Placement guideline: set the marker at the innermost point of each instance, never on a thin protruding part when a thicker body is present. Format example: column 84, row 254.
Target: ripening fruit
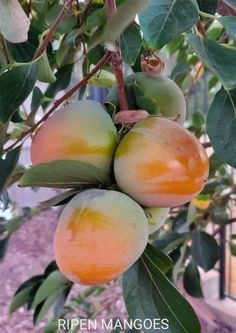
column 100, row 234
column 156, row 218
column 80, row 131
column 157, row 95
column 201, row 204
column 160, row 164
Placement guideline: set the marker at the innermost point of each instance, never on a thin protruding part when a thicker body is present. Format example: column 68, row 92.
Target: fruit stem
column 116, row 60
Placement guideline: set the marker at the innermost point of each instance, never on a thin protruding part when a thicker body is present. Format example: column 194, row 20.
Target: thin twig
column 42, row 47
column 117, row 61
column 59, row 101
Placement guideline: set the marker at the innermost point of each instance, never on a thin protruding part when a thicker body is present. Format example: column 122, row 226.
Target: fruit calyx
column 152, row 64
column 130, row 117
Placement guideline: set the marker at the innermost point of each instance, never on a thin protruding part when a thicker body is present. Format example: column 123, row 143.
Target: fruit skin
column 100, row 234
column 157, row 95
column 80, row 131
column 156, row 218
column 160, row 164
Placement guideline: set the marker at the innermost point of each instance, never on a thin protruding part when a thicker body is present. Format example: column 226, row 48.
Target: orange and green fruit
column 160, row 164
column 80, row 131
column 100, row 234
column 201, row 204
column 157, row 95
column 156, row 218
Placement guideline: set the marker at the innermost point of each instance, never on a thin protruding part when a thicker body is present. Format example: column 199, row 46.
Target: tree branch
column 117, row 61
column 59, row 101
column 42, row 46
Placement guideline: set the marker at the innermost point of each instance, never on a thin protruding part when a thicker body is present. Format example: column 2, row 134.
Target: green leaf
column 14, row 224
column 63, row 174
column 60, row 199
column 15, row 86
column 158, row 258
column 170, row 241
column 63, row 76
column 51, row 284
column 66, row 25
column 229, row 22
column 149, row 294
column 208, row 6
column 22, row 294
column 67, row 54
column 219, row 215
column 37, row 97
column 103, row 79
column 7, row 166
column 204, row 250
column 20, row 299
column 14, row 24
column 191, row 281
column 221, row 126
column 45, row 72
column 45, row 306
column 219, row 58
column 116, row 25
column 232, row 244
column 130, row 44
column 164, row 20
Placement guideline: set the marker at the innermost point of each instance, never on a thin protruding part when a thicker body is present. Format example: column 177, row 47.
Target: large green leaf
column 22, row 294
column 164, row 20
column 158, row 258
column 170, row 241
column 219, row 58
column 204, row 250
column 229, row 22
column 130, row 44
column 15, row 86
column 63, row 77
column 191, row 281
column 149, row 294
column 208, row 6
column 7, row 166
column 20, row 299
column 118, row 23
column 221, row 125
column 14, row 24
column 63, row 174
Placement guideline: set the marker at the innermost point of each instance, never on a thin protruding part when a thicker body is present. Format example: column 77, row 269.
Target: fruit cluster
column 157, row 164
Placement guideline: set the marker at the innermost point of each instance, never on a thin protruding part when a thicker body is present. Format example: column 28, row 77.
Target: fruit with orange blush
column 100, row 234
column 160, row 164
column 80, row 131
